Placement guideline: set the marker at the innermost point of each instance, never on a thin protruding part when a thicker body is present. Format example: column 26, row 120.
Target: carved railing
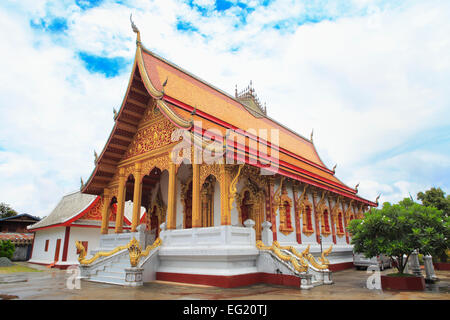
column 298, row 258
column 297, row 262
column 132, row 247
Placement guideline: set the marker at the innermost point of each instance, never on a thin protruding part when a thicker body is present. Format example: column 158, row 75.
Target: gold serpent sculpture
column 233, row 189
column 299, row 264
column 133, row 244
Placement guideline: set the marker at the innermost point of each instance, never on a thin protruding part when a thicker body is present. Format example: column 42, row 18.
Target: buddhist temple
column 231, row 196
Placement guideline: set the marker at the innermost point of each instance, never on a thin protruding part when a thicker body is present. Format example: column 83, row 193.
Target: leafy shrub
column 7, row 249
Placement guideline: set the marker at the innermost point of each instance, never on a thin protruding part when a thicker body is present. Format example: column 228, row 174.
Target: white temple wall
column 91, row 235
column 179, row 206
column 235, row 216
column 39, row 254
column 164, row 185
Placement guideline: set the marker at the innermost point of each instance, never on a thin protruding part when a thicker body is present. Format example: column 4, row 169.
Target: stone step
column 108, row 279
column 115, row 269
column 109, row 273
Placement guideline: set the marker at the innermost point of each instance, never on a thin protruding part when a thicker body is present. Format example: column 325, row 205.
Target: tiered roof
column 185, row 98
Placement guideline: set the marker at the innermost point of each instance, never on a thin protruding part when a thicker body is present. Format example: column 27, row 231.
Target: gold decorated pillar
column 225, row 214
column 171, row 203
column 105, row 211
column 136, row 196
column 196, row 205
column 120, row 201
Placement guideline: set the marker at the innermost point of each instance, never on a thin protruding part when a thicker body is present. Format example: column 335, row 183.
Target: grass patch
column 17, row 268
column 400, row 275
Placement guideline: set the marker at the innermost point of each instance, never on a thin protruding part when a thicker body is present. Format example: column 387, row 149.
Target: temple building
column 232, row 196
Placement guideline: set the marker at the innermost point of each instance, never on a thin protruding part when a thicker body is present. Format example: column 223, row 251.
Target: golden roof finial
column 312, row 133
column 376, row 200
column 135, row 30
column 356, row 187
column 334, row 168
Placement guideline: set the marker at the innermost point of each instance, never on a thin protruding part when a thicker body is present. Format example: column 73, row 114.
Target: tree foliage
column 397, row 230
column 6, row 211
column 435, row 197
column 7, row 249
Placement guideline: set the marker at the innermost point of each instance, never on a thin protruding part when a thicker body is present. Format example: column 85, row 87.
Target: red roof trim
column 226, row 125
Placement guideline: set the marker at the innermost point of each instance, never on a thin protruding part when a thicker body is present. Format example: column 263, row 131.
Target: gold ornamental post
column 120, row 201
column 171, row 203
column 105, row 211
column 136, row 196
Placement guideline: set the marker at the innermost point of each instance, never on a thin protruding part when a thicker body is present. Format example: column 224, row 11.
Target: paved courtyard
column 349, row 284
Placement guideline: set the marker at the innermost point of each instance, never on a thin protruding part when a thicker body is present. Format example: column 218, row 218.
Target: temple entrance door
column 246, row 207
column 154, row 225
column 58, row 247
column 188, row 208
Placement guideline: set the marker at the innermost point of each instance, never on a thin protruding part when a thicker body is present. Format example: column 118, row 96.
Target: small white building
column 77, row 217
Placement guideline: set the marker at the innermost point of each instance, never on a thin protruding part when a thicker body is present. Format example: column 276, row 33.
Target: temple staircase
column 111, row 266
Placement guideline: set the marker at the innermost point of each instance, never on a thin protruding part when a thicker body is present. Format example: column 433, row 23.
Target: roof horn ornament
column 82, row 183
column 356, row 187
column 115, row 113
column 376, row 200
column 312, row 133
column 135, row 30
column 164, row 85
column 334, row 168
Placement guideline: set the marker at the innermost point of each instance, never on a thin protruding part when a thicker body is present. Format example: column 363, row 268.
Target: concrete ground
column 349, row 284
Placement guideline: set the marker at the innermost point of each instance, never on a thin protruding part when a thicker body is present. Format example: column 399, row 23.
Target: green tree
column 6, row 211
column 435, row 197
column 7, row 249
column 397, row 230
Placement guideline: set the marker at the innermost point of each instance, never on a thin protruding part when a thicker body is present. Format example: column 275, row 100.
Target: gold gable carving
column 150, row 138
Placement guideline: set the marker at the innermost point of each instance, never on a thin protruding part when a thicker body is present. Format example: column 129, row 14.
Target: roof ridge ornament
column 247, row 95
column 312, row 133
column 356, row 187
column 135, row 30
column 334, row 168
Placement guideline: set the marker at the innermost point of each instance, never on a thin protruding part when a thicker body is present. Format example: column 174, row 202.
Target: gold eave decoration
column 176, row 119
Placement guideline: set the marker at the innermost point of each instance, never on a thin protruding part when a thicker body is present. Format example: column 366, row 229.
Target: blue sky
column 371, row 77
